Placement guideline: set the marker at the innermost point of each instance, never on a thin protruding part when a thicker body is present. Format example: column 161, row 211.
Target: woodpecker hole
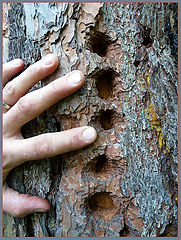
column 136, row 63
column 102, row 205
column 147, row 40
column 100, row 163
column 99, row 42
column 106, row 119
column 104, row 83
column 124, row 232
column 99, row 167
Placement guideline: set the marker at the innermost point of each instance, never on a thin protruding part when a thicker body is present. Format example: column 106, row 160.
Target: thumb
column 20, row 205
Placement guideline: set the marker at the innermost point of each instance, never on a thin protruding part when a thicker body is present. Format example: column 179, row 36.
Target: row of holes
column 102, row 203
column 99, row 43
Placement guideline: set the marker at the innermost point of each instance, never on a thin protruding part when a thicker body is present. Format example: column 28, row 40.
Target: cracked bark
column 125, row 184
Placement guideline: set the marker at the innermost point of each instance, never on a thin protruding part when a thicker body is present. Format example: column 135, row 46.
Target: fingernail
column 47, row 60
column 17, row 62
column 39, row 210
column 89, row 134
column 75, row 78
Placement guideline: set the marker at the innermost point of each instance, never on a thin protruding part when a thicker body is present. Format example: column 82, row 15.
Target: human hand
column 26, row 106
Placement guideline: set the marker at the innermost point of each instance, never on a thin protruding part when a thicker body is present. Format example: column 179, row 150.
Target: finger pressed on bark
column 51, row 144
column 34, row 103
column 20, row 205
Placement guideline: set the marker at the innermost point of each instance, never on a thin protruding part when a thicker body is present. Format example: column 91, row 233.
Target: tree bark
column 125, row 184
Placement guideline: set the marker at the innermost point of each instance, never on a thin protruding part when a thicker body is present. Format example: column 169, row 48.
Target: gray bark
column 125, row 184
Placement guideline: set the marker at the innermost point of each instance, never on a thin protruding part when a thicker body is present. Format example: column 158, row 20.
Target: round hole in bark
column 100, row 163
column 104, row 83
column 106, row 119
column 99, row 42
column 98, row 167
column 136, row 63
column 101, row 204
column 124, row 232
column 147, row 40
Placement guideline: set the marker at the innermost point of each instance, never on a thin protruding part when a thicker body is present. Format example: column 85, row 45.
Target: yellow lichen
column 148, row 81
column 155, row 123
column 144, row 83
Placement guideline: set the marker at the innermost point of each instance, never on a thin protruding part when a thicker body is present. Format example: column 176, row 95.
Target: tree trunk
column 124, row 184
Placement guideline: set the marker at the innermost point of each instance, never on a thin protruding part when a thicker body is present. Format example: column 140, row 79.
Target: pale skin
column 26, row 106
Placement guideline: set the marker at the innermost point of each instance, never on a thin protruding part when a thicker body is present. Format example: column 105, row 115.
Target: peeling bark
column 125, row 184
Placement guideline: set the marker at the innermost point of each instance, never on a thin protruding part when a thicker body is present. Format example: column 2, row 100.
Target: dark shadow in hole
column 99, row 42
column 104, row 83
column 100, row 163
column 101, row 205
column 136, row 63
column 147, row 40
column 100, row 200
column 124, row 232
column 106, row 119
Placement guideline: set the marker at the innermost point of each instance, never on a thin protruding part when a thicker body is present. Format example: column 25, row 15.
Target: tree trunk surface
column 124, row 184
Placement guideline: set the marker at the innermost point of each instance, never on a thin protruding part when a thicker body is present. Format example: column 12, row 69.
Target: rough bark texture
column 125, row 184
